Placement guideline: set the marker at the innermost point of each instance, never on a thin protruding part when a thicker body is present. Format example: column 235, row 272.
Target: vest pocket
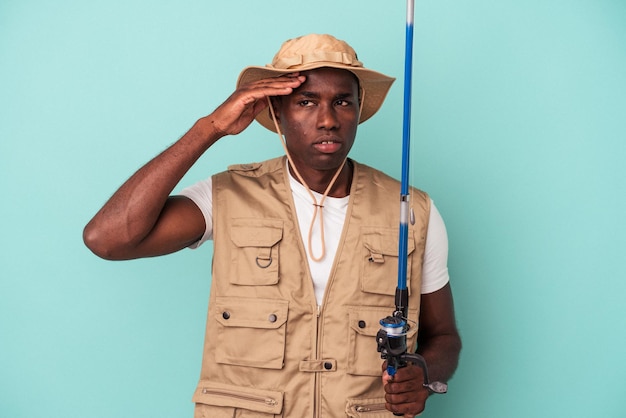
column 364, row 323
column 219, row 400
column 255, row 258
column 379, row 269
column 251, row 331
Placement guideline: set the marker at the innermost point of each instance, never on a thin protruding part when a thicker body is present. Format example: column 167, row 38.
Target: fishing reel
column 391, row 340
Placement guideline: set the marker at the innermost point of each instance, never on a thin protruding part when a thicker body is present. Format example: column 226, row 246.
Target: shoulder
column 256, row 169
column 372, row 176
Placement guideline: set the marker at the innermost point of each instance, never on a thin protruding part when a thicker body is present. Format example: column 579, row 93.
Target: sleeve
column 201, row 194
column 435, row 268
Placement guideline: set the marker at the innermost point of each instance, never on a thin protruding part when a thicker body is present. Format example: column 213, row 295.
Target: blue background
column 519, row 135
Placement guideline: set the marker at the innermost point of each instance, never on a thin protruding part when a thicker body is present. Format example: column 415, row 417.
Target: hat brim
column 375, row 85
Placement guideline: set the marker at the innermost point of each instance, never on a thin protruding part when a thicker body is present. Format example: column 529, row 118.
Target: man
column 305, row 255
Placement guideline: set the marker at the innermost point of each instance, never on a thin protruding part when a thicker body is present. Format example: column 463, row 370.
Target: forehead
column 327, row 76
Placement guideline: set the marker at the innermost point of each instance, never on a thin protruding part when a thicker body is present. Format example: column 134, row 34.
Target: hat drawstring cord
column 317, row 207
column 362, row 100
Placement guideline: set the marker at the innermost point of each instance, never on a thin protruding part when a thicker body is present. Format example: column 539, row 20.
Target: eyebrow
column 313, row 95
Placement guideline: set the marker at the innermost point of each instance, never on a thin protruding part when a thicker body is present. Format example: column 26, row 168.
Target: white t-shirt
column 435, row 267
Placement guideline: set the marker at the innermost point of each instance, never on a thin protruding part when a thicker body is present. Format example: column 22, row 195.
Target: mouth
column 327, row 146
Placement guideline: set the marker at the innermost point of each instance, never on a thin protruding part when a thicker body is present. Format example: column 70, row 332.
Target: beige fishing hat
column 316, row 51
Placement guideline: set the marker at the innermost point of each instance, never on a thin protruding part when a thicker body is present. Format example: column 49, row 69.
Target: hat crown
column 309, row 49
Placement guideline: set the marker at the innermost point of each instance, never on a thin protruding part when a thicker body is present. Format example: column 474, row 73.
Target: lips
column 327, row 146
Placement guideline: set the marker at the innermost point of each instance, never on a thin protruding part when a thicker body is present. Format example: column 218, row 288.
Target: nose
column 327, row 117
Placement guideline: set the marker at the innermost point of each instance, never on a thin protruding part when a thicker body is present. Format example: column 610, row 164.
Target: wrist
column 207, row 131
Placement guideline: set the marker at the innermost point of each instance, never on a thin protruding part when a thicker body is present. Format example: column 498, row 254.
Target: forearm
column 133, row 210
column 442, row 355
column 438, row 339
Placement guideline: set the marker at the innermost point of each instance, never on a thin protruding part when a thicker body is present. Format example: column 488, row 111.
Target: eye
column 343, row 103
column 305, row 103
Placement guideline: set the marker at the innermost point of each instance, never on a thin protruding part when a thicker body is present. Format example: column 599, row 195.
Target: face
column 319, row 119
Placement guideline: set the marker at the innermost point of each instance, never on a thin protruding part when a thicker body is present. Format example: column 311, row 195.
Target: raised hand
column 240, row 109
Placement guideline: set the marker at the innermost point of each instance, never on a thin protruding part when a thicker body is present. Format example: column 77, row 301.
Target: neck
column 318, row 181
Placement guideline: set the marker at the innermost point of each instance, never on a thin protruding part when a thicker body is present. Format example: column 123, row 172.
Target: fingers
column 386, row 378
column 409, row 373
column 275, row 86
column 405, row 393
column 240, row 109
column 409, row 404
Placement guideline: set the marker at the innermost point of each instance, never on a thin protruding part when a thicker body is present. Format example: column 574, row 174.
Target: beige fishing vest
column 269, row 351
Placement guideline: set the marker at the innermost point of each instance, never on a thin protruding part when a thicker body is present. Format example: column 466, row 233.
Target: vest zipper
column 370, row 408
column 320, row 309
column 318, row 390
column 241, row 396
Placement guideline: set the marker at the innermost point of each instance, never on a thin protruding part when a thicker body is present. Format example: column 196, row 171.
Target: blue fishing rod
column 391, row 338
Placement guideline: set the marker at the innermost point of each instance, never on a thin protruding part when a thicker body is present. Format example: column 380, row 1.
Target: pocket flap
column 251, row 312
column 366, row 320
column 384, row 241
column 256, row 232
column 221, row 394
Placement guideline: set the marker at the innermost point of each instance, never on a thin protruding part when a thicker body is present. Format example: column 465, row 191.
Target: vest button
column 328, row 365
column 272, row 318
column 225, row 315
column 362, row 324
